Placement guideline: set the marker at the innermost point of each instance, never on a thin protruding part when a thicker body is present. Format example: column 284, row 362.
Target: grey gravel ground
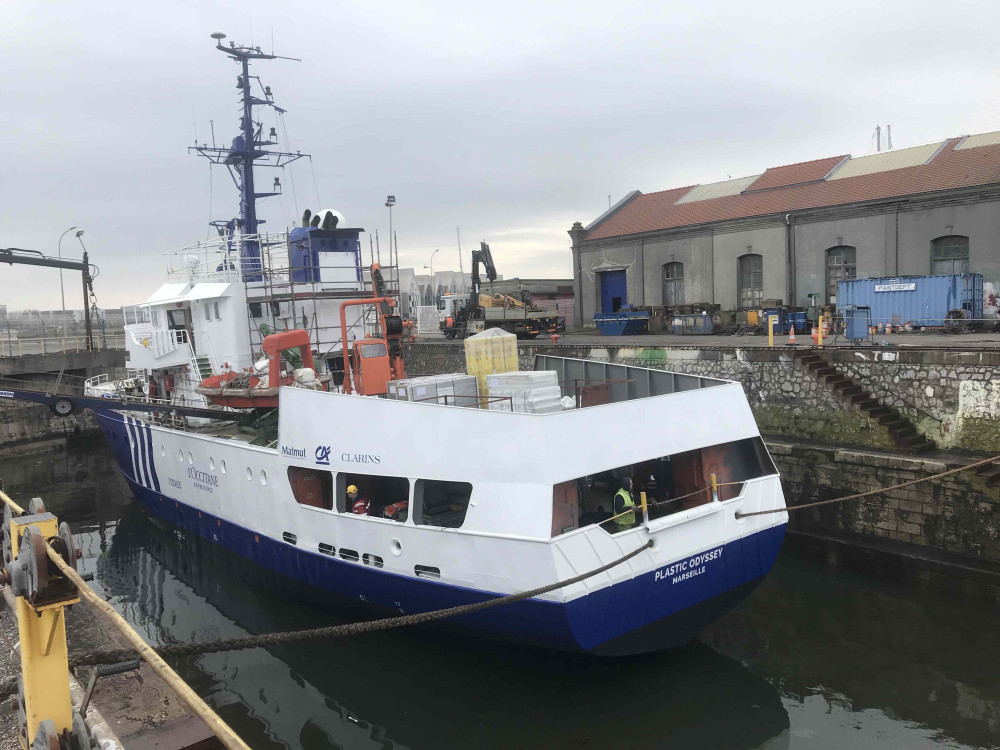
column 8, row 670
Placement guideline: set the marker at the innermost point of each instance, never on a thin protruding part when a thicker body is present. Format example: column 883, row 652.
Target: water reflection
column 815, row 658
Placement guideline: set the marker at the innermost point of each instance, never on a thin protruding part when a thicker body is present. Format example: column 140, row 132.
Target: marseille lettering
column 685, row 569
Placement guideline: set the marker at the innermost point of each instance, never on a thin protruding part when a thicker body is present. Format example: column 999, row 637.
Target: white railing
column 18, row 347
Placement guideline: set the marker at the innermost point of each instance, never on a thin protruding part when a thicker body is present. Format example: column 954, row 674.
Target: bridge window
column 950, row 254
column 749, row 280
column 437, row 503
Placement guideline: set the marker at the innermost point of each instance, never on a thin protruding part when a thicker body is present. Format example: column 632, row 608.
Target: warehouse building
column 795, row 230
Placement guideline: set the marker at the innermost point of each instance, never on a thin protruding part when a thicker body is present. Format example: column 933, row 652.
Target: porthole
column 395, row 547
column 190, row 457
column 263, row 477
column 223, row 466
column 249, row 473
column 163, row 449
column 180, row 456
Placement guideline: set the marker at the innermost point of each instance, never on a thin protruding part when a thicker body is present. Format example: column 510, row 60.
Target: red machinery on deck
column 243, row 391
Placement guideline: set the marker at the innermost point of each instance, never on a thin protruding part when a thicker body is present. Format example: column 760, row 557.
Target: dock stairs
column 204, row 366
column 904, row 435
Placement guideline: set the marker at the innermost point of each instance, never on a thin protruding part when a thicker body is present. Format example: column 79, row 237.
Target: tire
column 531, row 336
column 62, row 407
column 956, row 321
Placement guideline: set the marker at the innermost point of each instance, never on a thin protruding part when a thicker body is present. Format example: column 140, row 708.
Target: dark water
column 816, row 658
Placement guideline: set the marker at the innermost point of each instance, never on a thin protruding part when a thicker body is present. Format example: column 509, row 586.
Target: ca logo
column 323, row 454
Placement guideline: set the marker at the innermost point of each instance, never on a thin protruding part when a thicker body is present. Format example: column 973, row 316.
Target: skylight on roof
column 887, row 161
column 718, row 189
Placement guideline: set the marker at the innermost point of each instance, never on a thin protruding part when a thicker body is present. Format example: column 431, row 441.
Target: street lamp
column 431, row 266
column 390, row 201
column 62, row 293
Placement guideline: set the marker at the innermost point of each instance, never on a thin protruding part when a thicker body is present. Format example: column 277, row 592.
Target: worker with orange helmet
column 359, row 505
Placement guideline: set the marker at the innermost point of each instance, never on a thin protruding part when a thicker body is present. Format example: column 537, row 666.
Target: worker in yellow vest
column 624, row 507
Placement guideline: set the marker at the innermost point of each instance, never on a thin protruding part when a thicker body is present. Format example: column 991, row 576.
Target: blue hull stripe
column 648, row 602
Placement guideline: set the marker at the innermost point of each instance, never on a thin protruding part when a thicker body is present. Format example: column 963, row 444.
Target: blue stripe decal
column 151, row 466
column 140, row 449
column 134, row 448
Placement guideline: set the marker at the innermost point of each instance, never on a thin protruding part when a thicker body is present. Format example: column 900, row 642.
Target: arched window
column 673, row 284
column 841, row 264
column 950, row 254
column 749, row 280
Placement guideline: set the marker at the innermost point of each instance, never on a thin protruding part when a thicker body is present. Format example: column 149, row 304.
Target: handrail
column 21, row 347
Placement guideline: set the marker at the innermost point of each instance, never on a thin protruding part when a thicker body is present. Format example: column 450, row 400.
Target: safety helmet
column 352, row 488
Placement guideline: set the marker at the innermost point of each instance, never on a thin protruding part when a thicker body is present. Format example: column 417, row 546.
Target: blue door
column 613, row 295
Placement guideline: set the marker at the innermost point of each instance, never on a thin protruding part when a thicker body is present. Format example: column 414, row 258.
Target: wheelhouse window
column 437, row 503
column 841, row 264
column 750, row 280
column 372, row 350
column 673, row 284
column 377, row 496
column 950, row 255
column 312, row 487
column 671, row 483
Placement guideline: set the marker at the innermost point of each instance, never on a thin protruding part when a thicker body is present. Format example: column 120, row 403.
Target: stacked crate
column 490, row 352
column 453, row 389
column 534, row 392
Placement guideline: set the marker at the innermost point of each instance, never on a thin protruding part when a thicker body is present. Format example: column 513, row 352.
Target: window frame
column 949, row 242
column 848, row 270
column 756, row 291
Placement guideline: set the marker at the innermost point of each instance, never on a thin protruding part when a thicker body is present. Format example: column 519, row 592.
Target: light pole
column 431, row 266
column 62, row 293
column 390, row 201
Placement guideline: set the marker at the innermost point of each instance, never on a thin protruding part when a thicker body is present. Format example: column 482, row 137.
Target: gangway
column 64, row 404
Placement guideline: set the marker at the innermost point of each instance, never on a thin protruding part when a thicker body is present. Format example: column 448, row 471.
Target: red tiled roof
column 796, row 174
column 949, row 170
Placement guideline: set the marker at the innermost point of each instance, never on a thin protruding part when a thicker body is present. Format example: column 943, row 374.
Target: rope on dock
column 219, row 728
column 869, row 493
column 335, row 631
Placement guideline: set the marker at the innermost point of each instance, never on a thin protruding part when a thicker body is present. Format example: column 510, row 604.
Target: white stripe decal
column 137, row 458
column 143, row 452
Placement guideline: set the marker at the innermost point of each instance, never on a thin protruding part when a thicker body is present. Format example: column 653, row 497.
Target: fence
column 18, row 347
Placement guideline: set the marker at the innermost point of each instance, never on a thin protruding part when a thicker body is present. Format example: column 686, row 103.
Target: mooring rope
column 869, row 493
column 337, row 631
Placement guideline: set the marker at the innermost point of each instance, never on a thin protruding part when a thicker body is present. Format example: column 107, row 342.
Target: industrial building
column 796, row 230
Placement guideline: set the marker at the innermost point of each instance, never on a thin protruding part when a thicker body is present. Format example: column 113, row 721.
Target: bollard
column 642, row 504
column 772, row 321
column 819, row 328
column 715, row 488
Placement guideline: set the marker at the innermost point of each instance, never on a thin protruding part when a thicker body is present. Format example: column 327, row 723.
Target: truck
column 467, row 314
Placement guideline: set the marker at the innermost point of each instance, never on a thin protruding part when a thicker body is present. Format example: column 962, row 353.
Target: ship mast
column 247, row 148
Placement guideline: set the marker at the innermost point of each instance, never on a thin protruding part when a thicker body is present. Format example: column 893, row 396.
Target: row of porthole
column 223, row 466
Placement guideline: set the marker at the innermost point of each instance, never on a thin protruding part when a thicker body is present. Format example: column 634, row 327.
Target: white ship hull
column 703, row 558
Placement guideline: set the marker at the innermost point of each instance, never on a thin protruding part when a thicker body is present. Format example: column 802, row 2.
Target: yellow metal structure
column 772, row 321
column 819, row 330
column 42, row 632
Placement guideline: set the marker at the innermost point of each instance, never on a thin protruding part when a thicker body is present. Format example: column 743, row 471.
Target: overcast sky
column 510, row 121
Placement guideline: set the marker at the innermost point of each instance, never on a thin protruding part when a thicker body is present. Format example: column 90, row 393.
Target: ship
column 270, row 359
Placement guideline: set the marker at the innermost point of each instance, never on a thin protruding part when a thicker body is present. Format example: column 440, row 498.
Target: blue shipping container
column 918, row 300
